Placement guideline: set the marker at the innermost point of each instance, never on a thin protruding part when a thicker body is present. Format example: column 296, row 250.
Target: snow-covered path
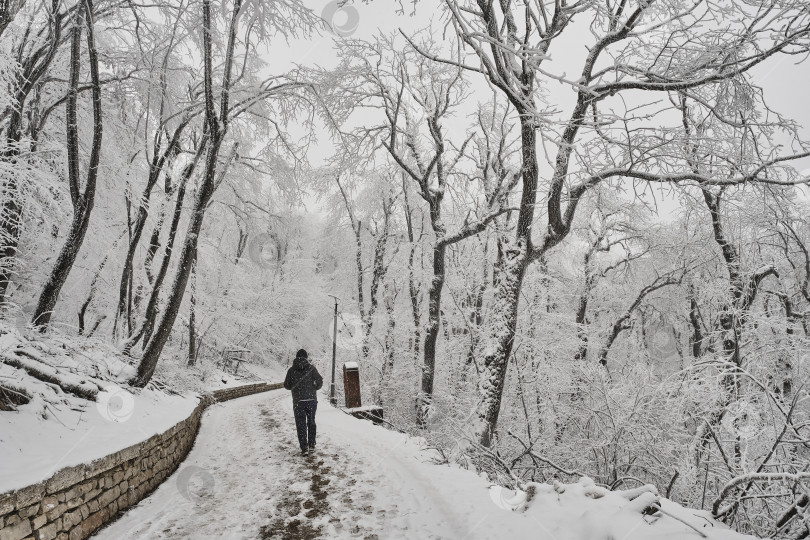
column 244, row 478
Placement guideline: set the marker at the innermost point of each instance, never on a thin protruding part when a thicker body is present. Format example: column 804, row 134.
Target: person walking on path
column 304, row 381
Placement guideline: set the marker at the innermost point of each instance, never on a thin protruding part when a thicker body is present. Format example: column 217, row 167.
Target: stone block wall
column 76, row 501
column 239, row 391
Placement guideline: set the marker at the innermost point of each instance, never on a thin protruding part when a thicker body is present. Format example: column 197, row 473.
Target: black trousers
column 304, row 412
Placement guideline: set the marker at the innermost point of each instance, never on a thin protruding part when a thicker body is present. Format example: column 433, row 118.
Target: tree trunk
column 503, row 325
column 155, row 168
column 743, row 292
column 192, row 323
column 147, row 326
column 390, row 339
column 431, row 334
column 696, row 339
column 378, row 271
column 413, row 285
column 154, row 238
column 476, row 320
column 414, row 293
column 509, row 280
column 581, row 319
column 10, row 235
column 12, row 211
column 83, row 200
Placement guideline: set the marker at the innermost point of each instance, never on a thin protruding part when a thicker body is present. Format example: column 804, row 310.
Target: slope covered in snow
column 65, row 401
column 245, row 479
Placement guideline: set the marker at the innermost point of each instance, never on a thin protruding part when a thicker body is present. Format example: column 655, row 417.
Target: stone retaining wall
column 239, row 391
column 76, row 501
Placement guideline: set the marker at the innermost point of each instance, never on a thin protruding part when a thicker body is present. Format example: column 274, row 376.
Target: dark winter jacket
column 304, row 380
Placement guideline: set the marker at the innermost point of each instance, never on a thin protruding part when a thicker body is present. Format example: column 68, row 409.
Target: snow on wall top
column 59, row 428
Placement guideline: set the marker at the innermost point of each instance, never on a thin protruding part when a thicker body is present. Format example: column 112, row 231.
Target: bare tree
column 379, row 232
column 624, row 322
column 649, row 47
column 166, row 140
column 416, row 96
column 414, row 286
column 703, row 156
column 82, row 197
column 608, row 228
column 390, row 293
column 145, row 329
column 35, row 52
column 788, row 232
column 216, row 122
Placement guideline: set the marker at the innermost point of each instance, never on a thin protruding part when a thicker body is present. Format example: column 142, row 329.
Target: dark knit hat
column 301, row 354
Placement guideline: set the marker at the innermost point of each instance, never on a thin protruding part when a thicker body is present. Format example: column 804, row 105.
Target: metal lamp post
column 332, row 398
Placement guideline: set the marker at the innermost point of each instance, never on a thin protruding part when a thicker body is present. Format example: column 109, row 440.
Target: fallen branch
column 752, row 477
column 46, row 373
column 673, row 516
column 11, row 396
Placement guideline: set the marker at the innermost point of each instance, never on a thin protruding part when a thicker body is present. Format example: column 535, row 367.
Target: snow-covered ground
column 76, row 409
column 84, row 409
column 173, row 372
column 33, row 448
column 245, row 479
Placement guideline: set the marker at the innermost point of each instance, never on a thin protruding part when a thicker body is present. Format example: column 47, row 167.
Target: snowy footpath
column 244, row 478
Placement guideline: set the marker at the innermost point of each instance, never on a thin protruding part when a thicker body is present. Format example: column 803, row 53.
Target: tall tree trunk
column 358, row 261
column 377, row 268
column 82, row 199
column 581, row 318
column 696, row 338
column 154, row 238
column 389, row 345
column 216, row 128
column 431, row 333
column 476, row 319
column 509, row 280
column 163, row 329
column 10, row 235
column 11, row 216
column 378, row 271
column 147, row 326
column 503, row 325
column 414, row 291
column 159, row 160
column 152, row 306
column 192, row 322
column 743, row 292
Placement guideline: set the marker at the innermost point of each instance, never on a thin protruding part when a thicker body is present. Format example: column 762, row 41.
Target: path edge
column 76, row 501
